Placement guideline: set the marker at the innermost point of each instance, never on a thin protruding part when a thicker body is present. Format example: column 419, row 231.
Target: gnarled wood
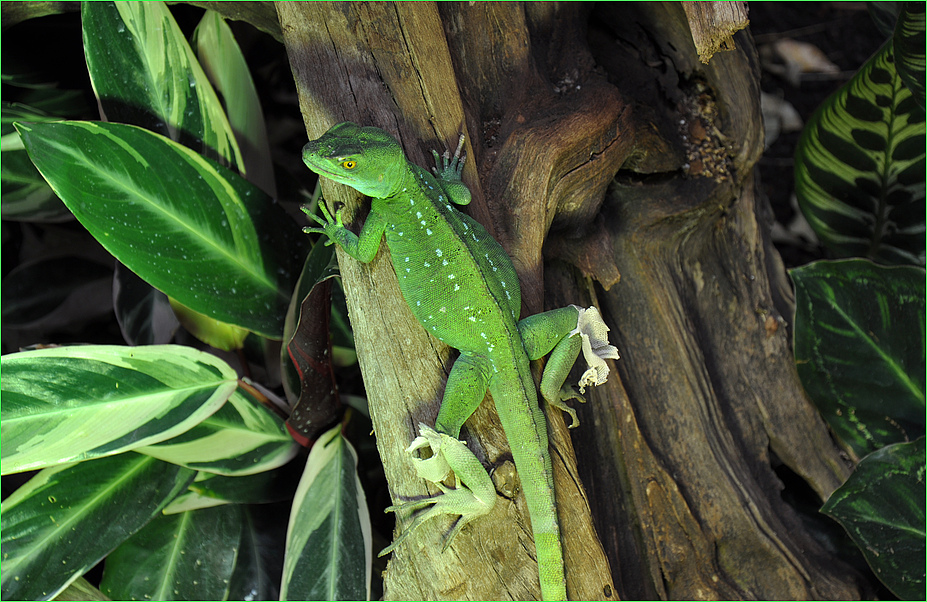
column 602, row 140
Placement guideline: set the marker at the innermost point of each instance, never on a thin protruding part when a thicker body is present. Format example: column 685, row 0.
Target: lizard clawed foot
column 329, row 224
column 447, row 168
column 568, row 391
column 473, row 496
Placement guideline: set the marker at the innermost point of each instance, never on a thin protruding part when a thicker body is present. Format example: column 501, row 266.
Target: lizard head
column 364, row 158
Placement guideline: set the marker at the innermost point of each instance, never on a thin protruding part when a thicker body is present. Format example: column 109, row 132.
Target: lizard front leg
column 362, row 248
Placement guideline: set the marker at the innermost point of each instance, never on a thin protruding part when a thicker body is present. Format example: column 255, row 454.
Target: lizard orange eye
column 349, row 164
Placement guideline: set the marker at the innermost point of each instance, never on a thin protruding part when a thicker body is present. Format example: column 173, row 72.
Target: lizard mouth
column 331, row 174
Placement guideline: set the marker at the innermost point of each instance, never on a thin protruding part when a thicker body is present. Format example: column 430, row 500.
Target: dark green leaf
column 859, row 347
column 35, row 289
column 66, row 519
column 190, row 227
column 881, row 506
column 145, row 317
column 186, row 556
column 909, row 48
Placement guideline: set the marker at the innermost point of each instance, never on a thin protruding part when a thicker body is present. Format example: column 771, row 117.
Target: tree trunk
column 596, row 135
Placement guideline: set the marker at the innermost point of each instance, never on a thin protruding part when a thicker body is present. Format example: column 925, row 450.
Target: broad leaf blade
column 859, row 168
column 65, row 519
column 190, row 227
column 258, row 557
column 187, row 556
column 72, row 403
column 881, row 506
column 241, row 438
column 859, row 349
column 26, row 196
column 328, row 542
column 144, row 73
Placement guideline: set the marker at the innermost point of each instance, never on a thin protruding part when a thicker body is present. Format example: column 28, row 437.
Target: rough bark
column 615, row 169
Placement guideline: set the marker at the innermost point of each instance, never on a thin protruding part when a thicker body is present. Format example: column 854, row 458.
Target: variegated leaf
column 66, row 404
column 224, row 64
column 242, row 438
column 328, row 542
column 909, row 48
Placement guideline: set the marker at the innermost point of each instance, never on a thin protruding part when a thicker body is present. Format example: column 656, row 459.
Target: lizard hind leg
column 473, row 496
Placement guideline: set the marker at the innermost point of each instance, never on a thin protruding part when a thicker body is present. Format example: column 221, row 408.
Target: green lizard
column 462, row 287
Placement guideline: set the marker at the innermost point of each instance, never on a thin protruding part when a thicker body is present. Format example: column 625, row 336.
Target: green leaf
column 209, row 489
column 255, row 576
column 241, row 438
column 34, row 289
column 144, row 73
column 66, row 519
column 859, row 168
column 66, row 404
column 190, row 227
column 187, row 556
column 884, row 15
column 881, row 506
column 26, row 196
column 909, row 48
column 328, row 542
column 144, row 314
column 227, row 69
column 859, row 349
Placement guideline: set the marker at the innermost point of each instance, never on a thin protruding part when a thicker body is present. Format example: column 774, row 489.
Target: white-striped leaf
column 191, row 228
column 66, row 519
column 328, row 542
column 859, row 167
column 144, row 73
column 241, row 438
column 73, row 403
column 187, row 556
